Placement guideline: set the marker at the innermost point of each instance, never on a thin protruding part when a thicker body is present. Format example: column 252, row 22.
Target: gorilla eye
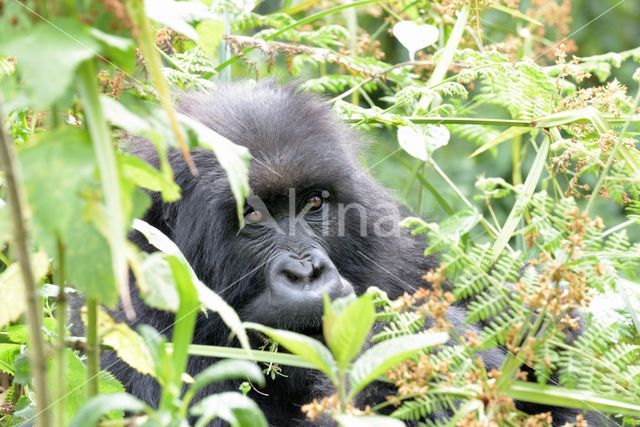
column 254, row 216
column 315, row 201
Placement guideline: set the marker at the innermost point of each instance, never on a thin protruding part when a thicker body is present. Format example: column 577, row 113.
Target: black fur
column 296, row 142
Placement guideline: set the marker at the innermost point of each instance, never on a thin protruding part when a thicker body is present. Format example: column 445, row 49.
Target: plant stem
column 93, row 348
column 37, row 356
column 154, row 66
column 61, row 317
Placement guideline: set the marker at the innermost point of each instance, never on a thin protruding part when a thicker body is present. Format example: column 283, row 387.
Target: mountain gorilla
column 316, row 223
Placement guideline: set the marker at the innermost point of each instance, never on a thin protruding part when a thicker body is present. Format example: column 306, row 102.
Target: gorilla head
column 315, row 222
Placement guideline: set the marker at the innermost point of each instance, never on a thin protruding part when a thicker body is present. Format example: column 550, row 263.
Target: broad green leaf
column 120, row 116
column 120, row 51
column 178, row 15
column 12, row 288
column 233, row 158
column 420, row 141
column 65, row 157
column 146, row 176
column 345, row 420
column 208, row 298
column 160, row 291
column 77, row 383
column 129, row 346
column 210, row 33
column 307, row 348
column 232, row 407
column 381, row 357
column 48, row 56
column 97, row 407
column 188, row 309
column 8, row 353
column 559, row 396
column 347, row 330
column 227, row 370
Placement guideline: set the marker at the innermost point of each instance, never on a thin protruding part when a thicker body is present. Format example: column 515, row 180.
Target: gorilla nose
column 305, row 276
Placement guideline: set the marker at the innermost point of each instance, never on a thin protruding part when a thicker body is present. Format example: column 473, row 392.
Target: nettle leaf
column 346, row 330
column 178, row 15
column 232, row 407
column 233, row 158
column 146, row 176
column 160, row 291
column 120, row 51
column 8, row 353
column 12, row 287
column 77, row 382
column 97, row 407
column 129, row 346
column 208, row 298
column 415, row 37
column 420, row 141
column 48, row 56
column 64, row 210
column 306, row 347
column 383, row 356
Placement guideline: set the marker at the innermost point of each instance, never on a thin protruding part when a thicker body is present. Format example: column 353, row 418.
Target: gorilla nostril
column 291, row 276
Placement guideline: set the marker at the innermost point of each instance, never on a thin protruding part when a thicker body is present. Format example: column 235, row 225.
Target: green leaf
column 420, row 141
column 65, row 157
column 12, row 288
column 160, row 291
column 381, row 357
column 347, row 330
column 97, row 407
column 209, row 299
column 188, row 308
column 307, row 348
column 223, row 371
column 48, row 56
column 129, row 346
column 210, row 33
column 560, row 396
column 232, row 407
column 146, row 176
column 233, row 158
column 8, row 353
column 77, row 383
column 345, row 420
column 177, row 15
column 120, row 51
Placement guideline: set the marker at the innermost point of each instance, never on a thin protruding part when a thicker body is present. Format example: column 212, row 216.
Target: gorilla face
column 315, row 223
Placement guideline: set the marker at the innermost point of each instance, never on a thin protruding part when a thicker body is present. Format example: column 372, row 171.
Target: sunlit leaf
column 383, row 356
column 12, row 289
column 232, row 407
column 415, row 37
column 346, row 331
column 48, row 56
column 65, row 157
column 178, row 15
column 97, row 407
column 421, row 141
